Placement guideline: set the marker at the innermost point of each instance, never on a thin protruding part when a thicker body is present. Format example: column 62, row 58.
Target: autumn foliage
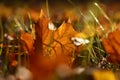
column 50, row 48
column 112, row 46
column 49, row 45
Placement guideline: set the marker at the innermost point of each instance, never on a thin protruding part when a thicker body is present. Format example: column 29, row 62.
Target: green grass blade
column 1, row 36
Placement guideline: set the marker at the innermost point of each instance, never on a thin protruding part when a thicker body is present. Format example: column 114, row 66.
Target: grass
column 91, row 48
column 1, row 36
column 47, row 7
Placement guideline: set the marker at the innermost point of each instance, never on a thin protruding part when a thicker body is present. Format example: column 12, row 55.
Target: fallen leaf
column 28, row 39
column 51, row 47
column 112, row 46
column 104, row 75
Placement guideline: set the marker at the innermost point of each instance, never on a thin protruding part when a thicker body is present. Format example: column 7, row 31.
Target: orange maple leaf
column 112, row 46
column 53, row 43
column 51, row 47
column 28, row 39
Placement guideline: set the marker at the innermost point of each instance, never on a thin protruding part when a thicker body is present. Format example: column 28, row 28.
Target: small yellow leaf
column 104, row 75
